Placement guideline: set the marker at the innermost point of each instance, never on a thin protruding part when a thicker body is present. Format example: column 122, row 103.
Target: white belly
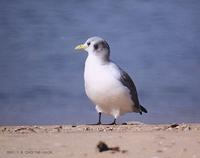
column 106, row 91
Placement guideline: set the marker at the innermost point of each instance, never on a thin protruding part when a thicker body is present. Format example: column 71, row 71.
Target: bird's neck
column 100, row 60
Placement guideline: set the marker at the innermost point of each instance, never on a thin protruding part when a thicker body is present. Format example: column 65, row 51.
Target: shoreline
column 128, row 127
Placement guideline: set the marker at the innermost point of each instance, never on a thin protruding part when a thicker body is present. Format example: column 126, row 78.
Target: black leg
column 114, row 122
column 99, row 122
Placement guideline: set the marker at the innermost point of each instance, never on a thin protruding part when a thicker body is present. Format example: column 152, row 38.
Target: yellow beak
column 81, row 47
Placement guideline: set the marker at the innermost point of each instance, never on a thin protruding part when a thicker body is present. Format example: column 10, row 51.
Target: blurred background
column 41, row 76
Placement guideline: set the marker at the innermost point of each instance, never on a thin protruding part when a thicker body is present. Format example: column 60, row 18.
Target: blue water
column 41, row 76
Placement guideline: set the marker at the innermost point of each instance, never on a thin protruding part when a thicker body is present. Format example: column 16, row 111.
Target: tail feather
column 143, row 109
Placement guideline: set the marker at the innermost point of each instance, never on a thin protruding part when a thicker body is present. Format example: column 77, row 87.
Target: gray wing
column 127, row 81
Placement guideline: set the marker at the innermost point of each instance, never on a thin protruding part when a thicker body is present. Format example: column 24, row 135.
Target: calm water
column 41, row 76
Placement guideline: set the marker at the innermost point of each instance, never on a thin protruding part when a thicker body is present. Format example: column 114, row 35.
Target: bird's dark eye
column 88, row 43
column 96, row 46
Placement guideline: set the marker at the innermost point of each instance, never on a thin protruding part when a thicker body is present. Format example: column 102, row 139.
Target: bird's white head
column 96, row 46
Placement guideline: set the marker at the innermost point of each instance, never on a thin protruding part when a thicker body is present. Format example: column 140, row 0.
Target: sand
column 132, row 140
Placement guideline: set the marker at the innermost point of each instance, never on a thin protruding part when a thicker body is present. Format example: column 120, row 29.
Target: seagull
column 108, row 86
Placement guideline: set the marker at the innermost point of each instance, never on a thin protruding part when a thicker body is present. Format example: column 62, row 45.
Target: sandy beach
column 130, row 140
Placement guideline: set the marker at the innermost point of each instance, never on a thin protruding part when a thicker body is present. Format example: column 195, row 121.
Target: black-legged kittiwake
column 108, row 86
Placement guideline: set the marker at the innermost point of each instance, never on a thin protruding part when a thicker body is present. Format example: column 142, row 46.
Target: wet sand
column 131, row 140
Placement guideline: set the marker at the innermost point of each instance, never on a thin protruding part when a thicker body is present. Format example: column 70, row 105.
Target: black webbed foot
column 113, row 123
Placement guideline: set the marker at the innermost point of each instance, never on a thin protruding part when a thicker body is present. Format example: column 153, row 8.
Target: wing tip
column 143, row 110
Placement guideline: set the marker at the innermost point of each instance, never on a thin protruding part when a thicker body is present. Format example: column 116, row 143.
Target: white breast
column 103, row 87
